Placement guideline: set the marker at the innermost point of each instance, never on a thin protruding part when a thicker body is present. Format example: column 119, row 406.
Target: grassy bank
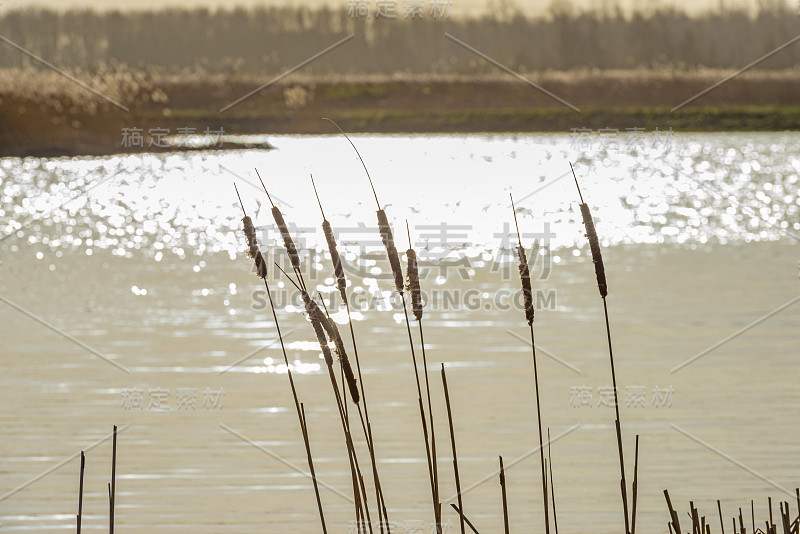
column 42, row 113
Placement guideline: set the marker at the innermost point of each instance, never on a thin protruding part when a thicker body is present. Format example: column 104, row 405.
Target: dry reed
column 453, row 443
column 80, row 492
column 322, row 326
column 318, row 320
column 341, row 283
column 503, row 491
column 397, row 274
column 701, row 526
column 261, row 270
column 524, row 272
column 465, row 518
column 552, row 486
column 113, row 489
column 635, row 485
column 416, row 307
column 600, row 274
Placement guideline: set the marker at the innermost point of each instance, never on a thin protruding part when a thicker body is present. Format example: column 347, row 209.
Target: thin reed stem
column 304, row 429
column 721, row 522
column 113, row 481
column 635, row 485
column 453, row 443
column 80, row 492
column 434, row 466
column 618, row 424
column 503, row 491
column 552, row 486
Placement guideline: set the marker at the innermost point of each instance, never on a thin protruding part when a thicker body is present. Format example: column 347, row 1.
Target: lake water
column 134, row 304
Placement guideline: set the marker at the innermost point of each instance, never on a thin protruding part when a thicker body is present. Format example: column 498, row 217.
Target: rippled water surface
column 124, row 287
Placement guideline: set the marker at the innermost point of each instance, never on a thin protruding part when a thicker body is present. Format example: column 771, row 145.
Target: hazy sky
column 532, row 7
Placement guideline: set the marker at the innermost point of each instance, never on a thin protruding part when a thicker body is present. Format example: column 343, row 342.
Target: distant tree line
column 272, row 39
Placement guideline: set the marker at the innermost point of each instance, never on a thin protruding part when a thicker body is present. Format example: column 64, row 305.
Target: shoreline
column 69, row 121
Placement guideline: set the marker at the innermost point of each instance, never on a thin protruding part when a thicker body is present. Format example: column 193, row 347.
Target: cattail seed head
column 345, row 362
column 525, row 276
column 391, row 250
column 316, row 317
column 413, row 283
column 341, row 281
column 324, row 326
column 288, row 243
column 252, row 247
column 594, row 245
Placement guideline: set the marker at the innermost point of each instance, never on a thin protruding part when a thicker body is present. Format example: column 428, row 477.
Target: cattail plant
column 325, row 333
column 341, row 283
column 525, row 276
column 397, row 273
column 317, row 321
column 602, row 286
column 254, row 252
column 415, row 291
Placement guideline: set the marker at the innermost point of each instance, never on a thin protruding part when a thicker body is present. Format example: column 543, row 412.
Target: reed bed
column 789, row 523
column 330, row 341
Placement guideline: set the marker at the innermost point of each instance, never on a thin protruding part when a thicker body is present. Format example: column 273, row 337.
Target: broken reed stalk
column 600, row 274
column 635, row 485
column 503, row 491
column 466, row 519
column 415, row 291
column 397, row 272
column 771, row 522
column 552, row 486
column 721, row 522
column 453, row 443
column 341, row 283
column 676, row 523
column 80, row 493
column 741, row 522
column 113, row 492
column 525, row 276
column 254, row 252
